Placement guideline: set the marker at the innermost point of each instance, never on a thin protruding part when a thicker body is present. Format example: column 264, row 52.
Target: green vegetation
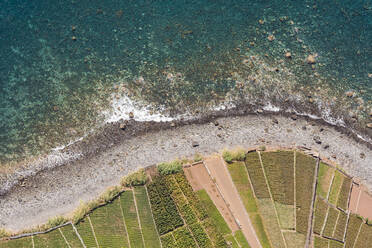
column 164, row 209
column 108, row 225
column 335, row 188
column 331, row 222
column 320, row 242
column 340, row 227
column 131, row 219
column 170, row 167
column 335, row 244
column 56, row 221
column 71, row 236
column 324, row 180
column 239, row 176
column 279, row 170
column 86, row 233
column 294, row 239
column 17, row 243
column 213, row 212
column 149, row 232
column 184, row 238
column 321, row 209
column 285, row 215
column 305, row 169
column 343, row 197
column 50, row 239
column 270, row 220
column 352, row 230
column 364, row 237
column 198, row 157
column 168, row 241
column 256, row 175
column 137, row 178
column 214, row 234
column 237, row 154
column 239, row 236
column 200, row 236
column 231, row 241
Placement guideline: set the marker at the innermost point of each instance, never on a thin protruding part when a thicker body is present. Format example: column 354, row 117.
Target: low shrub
column 4, row 233
column 55, row 221
column 198, row 157
column 137, row 178
column 109, row 194
column 233, row 155
column 170, row 167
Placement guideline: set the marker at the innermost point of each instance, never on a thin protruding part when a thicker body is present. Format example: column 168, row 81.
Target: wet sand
column 59, row 190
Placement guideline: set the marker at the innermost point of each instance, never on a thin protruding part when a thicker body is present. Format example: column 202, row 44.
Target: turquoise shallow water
column 62, row 61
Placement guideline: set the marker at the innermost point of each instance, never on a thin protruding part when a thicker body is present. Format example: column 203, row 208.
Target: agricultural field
column 325, row 176
column 321, row 209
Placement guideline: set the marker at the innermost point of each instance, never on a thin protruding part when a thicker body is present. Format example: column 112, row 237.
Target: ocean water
column 67, row 67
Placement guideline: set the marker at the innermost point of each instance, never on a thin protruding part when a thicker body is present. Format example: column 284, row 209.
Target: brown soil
column 365, row 205
column 354, row 197
column 200, row 179
column 221, row 175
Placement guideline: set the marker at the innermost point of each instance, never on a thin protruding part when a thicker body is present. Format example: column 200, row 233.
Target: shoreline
column 59, row 190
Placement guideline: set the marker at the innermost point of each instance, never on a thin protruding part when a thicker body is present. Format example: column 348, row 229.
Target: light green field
column 231, row 241
column 86, row 233
column 239, row 236
column 325, row 175
column 51, row 239
column 17, row 243
column 71, row 236
column 286, row 216
column 336, row 187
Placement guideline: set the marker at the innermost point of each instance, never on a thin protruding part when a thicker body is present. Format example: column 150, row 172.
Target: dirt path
column 220, row 174
column 200, row 179
column 58, row 191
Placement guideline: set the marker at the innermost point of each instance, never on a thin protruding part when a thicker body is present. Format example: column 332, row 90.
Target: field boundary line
column 125, row 224
column 60, row 231
column 330, row 186
column 271, row 197
column 156, row 228
column 347, row 224
column 294, row 190
column 33, row 242
column 334, row 228
column 94, row 233
column 349, row 196
column 78, row 234
column 325, row 221
column 311, row 215
column 138, row 218
column 23, row 235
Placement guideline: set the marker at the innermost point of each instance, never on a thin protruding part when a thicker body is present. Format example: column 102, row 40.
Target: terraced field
column 292, row 200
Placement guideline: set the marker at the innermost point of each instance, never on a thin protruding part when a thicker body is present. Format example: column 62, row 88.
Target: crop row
column 320, row 242
column 163, row 208
column 305, row 169
column 256, row 175
column 364, row 237
column 184, row 238
column 279, row 169
column 214, row 234
column 335, row 187
column 321, row 208
column 51, row 239
column 168, row 241
column 343, row 196
column 71, row 236
column 191, row 196
column 352, row 230
column 200, row 236
column 331, row 222
column 340, row 226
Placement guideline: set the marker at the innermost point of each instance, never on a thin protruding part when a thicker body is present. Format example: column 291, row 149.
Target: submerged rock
column 288, row 55
column 350, row 93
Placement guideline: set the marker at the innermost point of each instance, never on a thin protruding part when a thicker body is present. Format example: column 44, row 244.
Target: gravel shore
column 59, row 190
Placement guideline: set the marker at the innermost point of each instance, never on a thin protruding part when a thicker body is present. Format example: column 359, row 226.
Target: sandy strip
column 59, row 190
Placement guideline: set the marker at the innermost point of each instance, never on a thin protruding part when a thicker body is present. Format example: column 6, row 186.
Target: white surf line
column 94, row 234
column 294, row 190
column 78, row 234
column 152, row 215
column 125, row 224
column 138, row 219
column 60, row 231
column 271, row 197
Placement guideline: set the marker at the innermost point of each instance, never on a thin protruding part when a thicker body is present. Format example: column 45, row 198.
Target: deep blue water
column 60, row 60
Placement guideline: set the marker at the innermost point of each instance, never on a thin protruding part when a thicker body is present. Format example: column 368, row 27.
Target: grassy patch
column 324, row 179
column 135, row 179
column 364, row 237
column 86, row 233
column 279, row 170
column 168, row 241
column 320, row 242
column 17, row 243
column 231, row 241
column 343, row 196
column 170, row 167
column 184, row 238
column 50, row 239
column 71, row 236
column 340, row 227
column 305, row 169
column 239, row 236
column 237, row 154
column 108, row 225
column 149, row 232
column 131, row 220
column 200, row 236
column 335, row 188
column 256, row 175
column 216, row 237
column 213, row 213
column 294, row 239
column 331, row 222
column 267, row 211
column 321, row 209
column 286, row 216
column 335, row 244
column 352, row 230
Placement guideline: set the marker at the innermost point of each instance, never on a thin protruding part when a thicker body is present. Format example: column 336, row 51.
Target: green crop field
column 321, row 242
column 330, row 222
column 231, row 241
column 321, row 209
column 149, row 232
column 17, row 243
column 239, row 236
column 256, row 175
column 86, row 233
column 364, row 237
column 71, row 237
column 305, row 169
column 50, row 239
column 131, row 219
column 325, row 175
column 184, row 238
column 352, row 230
column 336, row 187
column 168, row 241
column 340, row 226
column 343, row 197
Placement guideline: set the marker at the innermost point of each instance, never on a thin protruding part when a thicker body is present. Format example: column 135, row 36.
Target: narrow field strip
column 320, row 242
column 340, row 229
column 50, row 239
column 321, row 209
column 295, row 239
column 364, row 237
column 242, row 241
column 71, row 237
column 18, row 243
column 149, row 232
column 325, row 177
column 352, row 231
column 108, row 226
column 330, row 222
column 336, row 187
column 64, row 238
column 343, row 197
column 256, row 176
column 131, row 219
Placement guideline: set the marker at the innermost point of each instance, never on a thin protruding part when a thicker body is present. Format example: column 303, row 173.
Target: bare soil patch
column 365, row 205
column 354, row 198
